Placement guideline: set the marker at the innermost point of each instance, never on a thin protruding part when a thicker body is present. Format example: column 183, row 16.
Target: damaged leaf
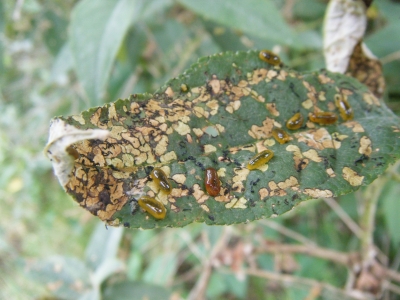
column 220, row 114
column 367, row 69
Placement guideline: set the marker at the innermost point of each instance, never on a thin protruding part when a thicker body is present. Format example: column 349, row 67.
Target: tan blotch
column 79, row 119
column 205, row 208
column 318, row 139
column 215, row 85
column 264, row 131
column 241, row 175
column 199, row 194
column 324, row 79
column 352, row 176
column 330, row 172
column 307, row 104
column 198, row 132
column 300, row 162
column 355, row 126
column 221, row 172
column 371, row 99
column 263, row 193
column 168, row 157
column 237, row 203
column 112, row 112
column 220, row 128
column 282, row 75
column 291, row 182
column 313, row 155
column 317, row 193
column 272, row 109
column 395, row 129
column 163, row 198
column 169, row 92
column 365, row 146
column 177, row 193
column 321, row 96
column 209, row 148
column 258, row 75
column 181, row 128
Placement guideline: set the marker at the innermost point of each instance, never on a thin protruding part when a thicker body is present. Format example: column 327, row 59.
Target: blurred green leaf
column 136, row 43
column 103, row 246
column 97, row 30
column 128, row 290
column 223, row 284
column 134, row 265
column 2, row 39
column 91, row 295
column 63, row 63
column 162, row 268
column 64, row 277
column 258, row 18
column 309, row 9
column 383, row 45
column 390, row 203
column 55, row 34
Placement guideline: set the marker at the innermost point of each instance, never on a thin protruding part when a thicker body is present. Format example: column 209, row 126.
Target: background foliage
column 50, row 247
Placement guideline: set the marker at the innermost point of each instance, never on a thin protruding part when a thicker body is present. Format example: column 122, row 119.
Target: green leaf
column 137, row 290
column 2, row 37
column 265, row 22
column 56, row 34
column 220, row 118
column 62, row 64
column 96, row 33
column 161, row 269
column 383, row 45
column 65, row 277
column 101, row 253
column 390, row 198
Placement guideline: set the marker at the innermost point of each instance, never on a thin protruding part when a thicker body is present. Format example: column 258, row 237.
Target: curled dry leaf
column 345, row 24
column 222, row 118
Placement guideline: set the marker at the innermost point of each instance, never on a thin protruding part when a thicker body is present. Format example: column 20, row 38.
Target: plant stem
column 367, row 220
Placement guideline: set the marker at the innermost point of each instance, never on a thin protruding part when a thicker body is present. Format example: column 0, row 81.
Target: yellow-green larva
column 269, row 57
column 280, row 135
column 153, row 207
column 323, row 117
column 160, row 178
column 260, row 159
column 295, row 122
column 345, row 110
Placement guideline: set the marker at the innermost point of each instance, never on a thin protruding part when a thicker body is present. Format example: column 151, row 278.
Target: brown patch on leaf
column 264, row 131
column 317, row 193
column 272, row 109
column 355, row 126
column 300, row 163
column 365, row 146
column 313, row 155
column 366, row 69
column 241, row 175
column 237, row 203
column 318, row 139
column 370, row 99
column 324, row 79
column 330, row 172
column 352, row 176
column 258, row 75
column 97, row 191
column 263, row 193
column 199, row 194
column 279, row 189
